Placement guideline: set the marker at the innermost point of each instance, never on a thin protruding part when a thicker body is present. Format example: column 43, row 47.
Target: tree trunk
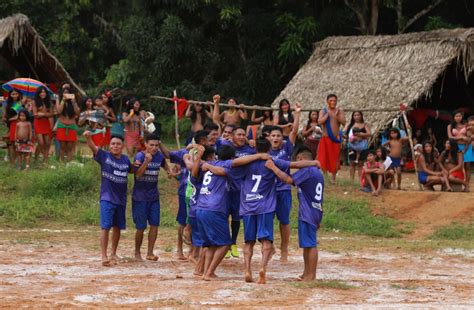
column 374, row 17
column 419, row 15
column 399, row 9
column 367, row 15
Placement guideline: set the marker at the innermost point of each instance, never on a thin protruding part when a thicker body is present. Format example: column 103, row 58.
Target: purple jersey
column 310, row 183
column 195, row 184
column 214, row 190
column 258, row 194
column 176, row 157
column 284, row 153
column 113, row 186
column 146, row 186
column 236, row 175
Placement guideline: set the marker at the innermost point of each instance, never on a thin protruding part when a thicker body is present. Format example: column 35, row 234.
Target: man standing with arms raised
column 331, row 119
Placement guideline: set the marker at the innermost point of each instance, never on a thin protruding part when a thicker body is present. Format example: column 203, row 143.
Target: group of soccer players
column 222, row 177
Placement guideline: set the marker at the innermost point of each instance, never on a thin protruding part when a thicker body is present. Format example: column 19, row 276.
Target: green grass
column 328, row 284
column 409, row 287
column 455, row 231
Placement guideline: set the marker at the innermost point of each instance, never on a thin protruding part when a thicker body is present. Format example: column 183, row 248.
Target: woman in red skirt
column 10, row 117
column 67, row 110
column 110, row 117
column 43, row 112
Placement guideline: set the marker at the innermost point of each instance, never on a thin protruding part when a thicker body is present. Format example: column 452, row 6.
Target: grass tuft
column 328, row 283
column 455, row 231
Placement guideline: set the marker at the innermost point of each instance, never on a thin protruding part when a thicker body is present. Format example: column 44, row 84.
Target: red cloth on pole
column 182, row 106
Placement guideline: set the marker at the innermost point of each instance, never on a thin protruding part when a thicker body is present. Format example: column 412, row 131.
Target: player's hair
column 226, row 152
column 276, row 128
column 237, row 128
column 266, row 130
column 470, row 118
column 301, row 149
column 117, row 137
column 262, row 145
column 211, row 126
column 208, row 152
column 151, row 136
column 229, row 126
column 200, row 136
column 331, row 96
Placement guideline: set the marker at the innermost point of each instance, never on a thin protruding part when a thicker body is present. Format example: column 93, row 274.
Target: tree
column 367, row 13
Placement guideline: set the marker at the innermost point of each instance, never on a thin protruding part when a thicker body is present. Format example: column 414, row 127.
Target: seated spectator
column 451, row 161
column 427, row 176
column 372, row 175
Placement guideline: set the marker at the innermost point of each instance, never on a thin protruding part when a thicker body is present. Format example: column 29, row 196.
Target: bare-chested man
column 330, row 119
column 232, row 116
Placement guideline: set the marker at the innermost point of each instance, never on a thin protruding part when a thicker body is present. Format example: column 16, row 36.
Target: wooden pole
column 260, row 108
column 409, row 134
column 176, row 126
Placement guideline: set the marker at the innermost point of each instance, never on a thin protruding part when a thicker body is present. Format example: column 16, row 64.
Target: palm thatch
column 22, row 48
column 373, row 72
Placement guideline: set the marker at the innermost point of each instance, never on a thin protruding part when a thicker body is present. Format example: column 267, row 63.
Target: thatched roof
column 22, row 48
column 373, row 72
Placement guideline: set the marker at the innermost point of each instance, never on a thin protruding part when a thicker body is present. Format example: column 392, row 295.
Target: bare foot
column 138, row 258
column 207, row 278
column 192, row 260
column 284, row 257
column 197, row 273
column 261, row 277
column 214, row 276
column 114, row 259
column 248, row 277
column 105, row 262
column 307, row 279
column 152, row 257
column 180, row 256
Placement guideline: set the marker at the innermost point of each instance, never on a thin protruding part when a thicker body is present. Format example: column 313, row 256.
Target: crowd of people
column 227, row 170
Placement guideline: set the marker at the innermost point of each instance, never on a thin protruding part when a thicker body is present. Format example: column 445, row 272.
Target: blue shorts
column 422, row 177
column 182, row 211
column 307, row 235
column 258, row 227
column 283, row 207
column 146, row 211
column 195, row 235
column 396, row 162
column 234, row 203
column 213, row 228
column 111, row 215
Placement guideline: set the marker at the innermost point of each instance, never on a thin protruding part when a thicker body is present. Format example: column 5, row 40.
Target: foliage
column 243, row 49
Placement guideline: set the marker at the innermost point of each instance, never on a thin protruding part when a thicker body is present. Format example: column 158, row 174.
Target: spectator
column 426, row 174
column 199, row 116
column 451, row 161
column 284, row 118
column 68, row 110
column 312, row 133
column 133, row 127
column 10, row 117
column 43, row 113
column 457, row 131
column 357, row 134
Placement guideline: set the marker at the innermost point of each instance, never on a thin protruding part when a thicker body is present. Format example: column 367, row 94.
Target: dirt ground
column 61, row 268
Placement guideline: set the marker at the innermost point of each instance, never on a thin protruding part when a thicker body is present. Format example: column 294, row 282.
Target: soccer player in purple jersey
column 115, row 168
column 184, row 229
column 195, row 181
column 145, row 197
column 310, row 184
column 212, row 205
column 282, row 149
column 238, row 141
column 258, row 203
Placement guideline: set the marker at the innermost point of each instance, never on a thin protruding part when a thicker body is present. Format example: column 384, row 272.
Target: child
column 146, row 199
column 395, row 144
column 23, row 139
column 381, row 157
column 372, row 174
column 113, row 193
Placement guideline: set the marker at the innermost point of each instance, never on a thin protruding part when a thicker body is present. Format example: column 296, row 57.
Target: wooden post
column 176, row 126
column 409, row 134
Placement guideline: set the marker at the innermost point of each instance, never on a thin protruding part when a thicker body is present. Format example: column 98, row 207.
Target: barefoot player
column 113, row 193
column 145, row 197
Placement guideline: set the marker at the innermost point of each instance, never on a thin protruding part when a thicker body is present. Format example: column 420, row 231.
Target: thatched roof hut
column 22, row 49
column 425, row 69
